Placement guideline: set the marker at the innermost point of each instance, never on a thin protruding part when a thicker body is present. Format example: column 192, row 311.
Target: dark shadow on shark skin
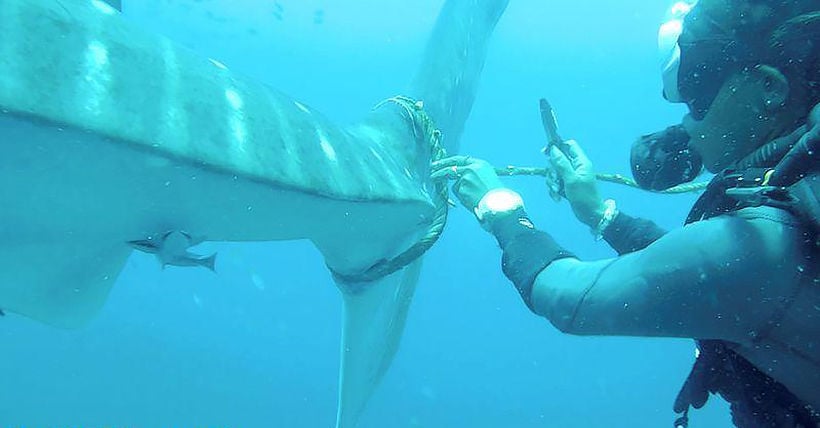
column 116, row 4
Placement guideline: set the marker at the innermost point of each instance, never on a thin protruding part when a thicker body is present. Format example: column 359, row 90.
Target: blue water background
column 257, row 344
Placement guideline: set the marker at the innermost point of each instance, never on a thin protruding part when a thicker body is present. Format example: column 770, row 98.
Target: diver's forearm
column 526, row 251
column 627, row 234
column 711, row 267
column 650, row 292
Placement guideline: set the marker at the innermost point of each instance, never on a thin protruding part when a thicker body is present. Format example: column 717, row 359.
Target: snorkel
column 663, row 159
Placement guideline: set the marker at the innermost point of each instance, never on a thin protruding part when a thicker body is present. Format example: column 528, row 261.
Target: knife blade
column 550, row 122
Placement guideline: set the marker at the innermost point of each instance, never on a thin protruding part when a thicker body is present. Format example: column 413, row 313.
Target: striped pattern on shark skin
column 95, row 72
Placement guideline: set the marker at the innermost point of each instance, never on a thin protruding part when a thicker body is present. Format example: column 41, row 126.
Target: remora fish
column 171, row 248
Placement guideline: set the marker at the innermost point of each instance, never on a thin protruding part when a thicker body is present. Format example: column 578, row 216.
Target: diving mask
column 697, row 56
column 669, row 50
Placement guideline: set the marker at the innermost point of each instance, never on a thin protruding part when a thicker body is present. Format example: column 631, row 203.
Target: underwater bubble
column 428, row 393
column 258, row 282
column 278, row 11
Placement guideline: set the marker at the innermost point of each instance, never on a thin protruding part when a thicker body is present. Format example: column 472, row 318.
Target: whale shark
column 111, row 134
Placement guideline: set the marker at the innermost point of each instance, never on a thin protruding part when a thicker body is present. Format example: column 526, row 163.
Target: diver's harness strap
column 756, row 400
column 526, row 250
column 782, row 174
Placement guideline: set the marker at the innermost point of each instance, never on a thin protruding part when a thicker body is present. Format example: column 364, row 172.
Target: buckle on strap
column 757, row 196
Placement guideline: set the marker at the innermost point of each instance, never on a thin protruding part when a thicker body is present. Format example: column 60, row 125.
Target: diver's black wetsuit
column 756, row 400
column 744, row 281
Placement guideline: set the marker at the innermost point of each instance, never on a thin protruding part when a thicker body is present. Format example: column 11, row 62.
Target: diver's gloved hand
column 580, row 186
column 474, row 178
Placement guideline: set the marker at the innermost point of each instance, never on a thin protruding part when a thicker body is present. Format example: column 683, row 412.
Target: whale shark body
column 111, row 135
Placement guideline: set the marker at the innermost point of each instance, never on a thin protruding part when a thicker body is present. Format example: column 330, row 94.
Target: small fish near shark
column 171, row 248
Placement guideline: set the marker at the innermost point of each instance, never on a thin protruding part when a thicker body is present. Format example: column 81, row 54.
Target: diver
column 742, row 276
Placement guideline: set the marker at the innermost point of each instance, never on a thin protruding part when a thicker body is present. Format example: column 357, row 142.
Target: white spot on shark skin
column 176, row 124
column 326, row 146
column 377, row 155
column 197, row 300
column 97, row 75
column 239, row 132
column 233, row 99
column 98, row 54
column 302, row 107
column 218, row 64
column 237, row 119
column 103, row 7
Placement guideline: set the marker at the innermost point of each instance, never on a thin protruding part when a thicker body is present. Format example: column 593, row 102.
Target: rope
column 610, row 178
column 423, row 125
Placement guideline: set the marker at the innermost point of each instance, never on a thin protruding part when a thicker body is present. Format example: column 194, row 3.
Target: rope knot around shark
column 426, row 132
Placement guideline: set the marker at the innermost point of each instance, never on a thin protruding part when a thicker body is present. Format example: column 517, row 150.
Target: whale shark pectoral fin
column 67, row 287
column 374, row 318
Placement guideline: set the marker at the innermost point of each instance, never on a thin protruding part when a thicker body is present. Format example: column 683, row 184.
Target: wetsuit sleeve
column 526, row 250
column 627, row 234
column 714, row 279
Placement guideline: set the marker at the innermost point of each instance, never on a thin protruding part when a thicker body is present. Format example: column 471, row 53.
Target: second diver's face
column 731, row 127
